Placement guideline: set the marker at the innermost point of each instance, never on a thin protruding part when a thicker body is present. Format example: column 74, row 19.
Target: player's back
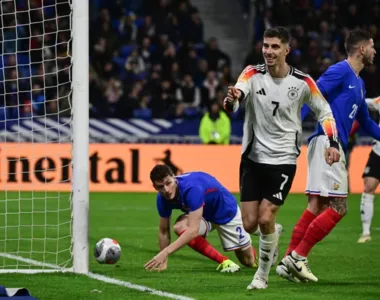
column 220, row 205
column 345, row 92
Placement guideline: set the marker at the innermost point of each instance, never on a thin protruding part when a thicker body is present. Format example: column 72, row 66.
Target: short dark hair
column 354, row 37
column 159, row 172
column 279, row 32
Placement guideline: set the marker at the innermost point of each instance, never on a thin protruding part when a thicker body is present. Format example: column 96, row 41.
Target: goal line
column 106, row 279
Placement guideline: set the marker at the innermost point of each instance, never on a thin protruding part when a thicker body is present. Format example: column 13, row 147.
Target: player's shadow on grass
column 153, row 252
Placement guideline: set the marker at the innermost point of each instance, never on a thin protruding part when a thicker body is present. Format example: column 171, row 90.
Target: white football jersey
column 375, row 104
column 272, row 126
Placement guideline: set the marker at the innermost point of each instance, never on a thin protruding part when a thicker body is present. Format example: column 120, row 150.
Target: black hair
column 354, row 37
column 159, row 172
column 279, row 32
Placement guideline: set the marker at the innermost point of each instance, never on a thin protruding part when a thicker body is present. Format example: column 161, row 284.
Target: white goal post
column 44, row 136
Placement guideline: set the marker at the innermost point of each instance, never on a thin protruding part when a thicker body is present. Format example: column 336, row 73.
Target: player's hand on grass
column 332, row 155
column 158, row 263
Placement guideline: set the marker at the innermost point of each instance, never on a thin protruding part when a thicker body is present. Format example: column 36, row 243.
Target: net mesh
column 35, row 132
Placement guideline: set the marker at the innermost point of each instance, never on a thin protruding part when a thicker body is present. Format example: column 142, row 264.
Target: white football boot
column 299, row 268
column 258, row 283
column 283, row 272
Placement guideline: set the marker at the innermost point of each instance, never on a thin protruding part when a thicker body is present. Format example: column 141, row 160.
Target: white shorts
column 322, row 179
column 232, row 235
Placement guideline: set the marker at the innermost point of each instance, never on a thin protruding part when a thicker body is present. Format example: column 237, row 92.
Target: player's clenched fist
column 233, row 95
column 332, row 155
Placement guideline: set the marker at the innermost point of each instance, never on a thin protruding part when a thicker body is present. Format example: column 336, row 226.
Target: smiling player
column 274, row 94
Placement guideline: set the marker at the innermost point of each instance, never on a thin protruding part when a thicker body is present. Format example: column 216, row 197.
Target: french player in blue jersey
column 327, row 185
column 207, row 205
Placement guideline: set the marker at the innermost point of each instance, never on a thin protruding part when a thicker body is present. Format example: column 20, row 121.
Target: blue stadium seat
column 139, row 22
column 116, row 24
column 142, row 113
column 119, row 61
column 126, row 50
column 23, row 59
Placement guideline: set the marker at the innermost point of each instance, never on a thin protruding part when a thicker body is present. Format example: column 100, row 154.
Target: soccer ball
column 107, row 251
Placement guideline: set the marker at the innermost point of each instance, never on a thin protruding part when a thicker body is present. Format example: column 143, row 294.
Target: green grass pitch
column 346, row 270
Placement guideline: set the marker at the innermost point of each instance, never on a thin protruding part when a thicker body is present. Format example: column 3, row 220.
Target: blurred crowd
column 149, row 58
column 152, row 61
column 34, row 58
column 318, row 30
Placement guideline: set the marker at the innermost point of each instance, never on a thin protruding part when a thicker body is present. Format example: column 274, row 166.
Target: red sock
column 299, row 229
column 202, row 246
column 317, row 230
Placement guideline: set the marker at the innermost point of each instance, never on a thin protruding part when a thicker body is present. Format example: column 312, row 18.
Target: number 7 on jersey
column 276, row 105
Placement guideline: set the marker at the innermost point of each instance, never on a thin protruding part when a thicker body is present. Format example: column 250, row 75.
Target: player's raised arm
column 322, row 110
column 240, row 91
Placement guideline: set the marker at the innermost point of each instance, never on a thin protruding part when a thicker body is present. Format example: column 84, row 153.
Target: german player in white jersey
column 274, row 94
column 371, row 178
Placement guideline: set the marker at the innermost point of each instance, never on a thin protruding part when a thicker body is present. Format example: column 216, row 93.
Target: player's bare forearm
column 184, row 239
column 164, row 239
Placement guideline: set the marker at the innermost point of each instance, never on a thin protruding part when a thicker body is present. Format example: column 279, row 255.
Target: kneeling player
column 208, row 205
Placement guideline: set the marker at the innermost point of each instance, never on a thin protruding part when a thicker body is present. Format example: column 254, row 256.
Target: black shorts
column 264, row 181
column 372, row 169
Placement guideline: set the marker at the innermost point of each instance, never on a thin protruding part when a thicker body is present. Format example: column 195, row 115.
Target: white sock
column 268, row 243
column 366, row 212
column 257, row 232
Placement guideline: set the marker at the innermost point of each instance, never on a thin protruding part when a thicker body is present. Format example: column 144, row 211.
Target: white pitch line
column 137, row 287
column 99, row 277
column 32, row 262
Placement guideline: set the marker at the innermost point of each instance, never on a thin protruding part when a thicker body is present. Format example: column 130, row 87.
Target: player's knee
column 180, row 225
column 250, row 224
column 265, row 219
column 316, row 205
column 369, row 188
column 179, row 228
column 339, row 205
column 247, row 261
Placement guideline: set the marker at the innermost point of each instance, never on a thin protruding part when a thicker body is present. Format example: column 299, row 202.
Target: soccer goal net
column 43, row 135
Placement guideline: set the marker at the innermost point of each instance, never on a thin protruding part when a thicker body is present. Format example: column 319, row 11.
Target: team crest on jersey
column 292, row 93
column 336, row 186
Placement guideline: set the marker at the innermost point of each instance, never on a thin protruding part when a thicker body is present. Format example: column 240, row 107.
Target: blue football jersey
column 345, row 92
column 197, row 189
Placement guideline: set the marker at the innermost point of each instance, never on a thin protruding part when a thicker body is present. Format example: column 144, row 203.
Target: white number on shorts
column 286, row 177
column 354, row 110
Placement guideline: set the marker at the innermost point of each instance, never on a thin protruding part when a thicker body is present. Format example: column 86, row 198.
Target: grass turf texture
column 346, row 270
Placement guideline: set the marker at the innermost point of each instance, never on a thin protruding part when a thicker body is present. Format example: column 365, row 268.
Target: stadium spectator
column 215, row 126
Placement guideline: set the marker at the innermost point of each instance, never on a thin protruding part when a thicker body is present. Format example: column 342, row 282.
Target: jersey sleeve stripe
column 247, row 74
column 312, row 86
column 329, row 127
column 250, row 71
